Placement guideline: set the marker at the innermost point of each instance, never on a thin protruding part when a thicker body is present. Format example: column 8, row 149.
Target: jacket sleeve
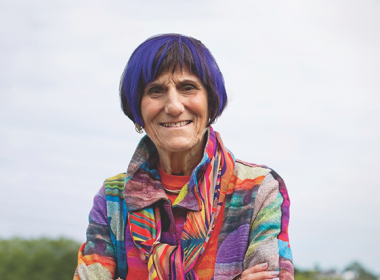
column 268, row 234
column 96, row 257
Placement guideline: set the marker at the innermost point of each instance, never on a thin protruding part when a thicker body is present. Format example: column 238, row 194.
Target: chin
column 179, row 145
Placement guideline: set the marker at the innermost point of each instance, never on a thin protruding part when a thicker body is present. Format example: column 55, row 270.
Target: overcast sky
column 304, row 98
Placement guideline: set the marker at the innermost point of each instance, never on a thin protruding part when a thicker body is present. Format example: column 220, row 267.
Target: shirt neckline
column 172, row 183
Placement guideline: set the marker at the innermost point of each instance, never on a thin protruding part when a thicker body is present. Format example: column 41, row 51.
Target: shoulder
column 257, row 175
column 114, row 186
column 244, row 170
column 116, row 179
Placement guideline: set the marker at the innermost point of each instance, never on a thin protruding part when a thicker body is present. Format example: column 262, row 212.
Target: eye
column 155, row 91
column 188, row 87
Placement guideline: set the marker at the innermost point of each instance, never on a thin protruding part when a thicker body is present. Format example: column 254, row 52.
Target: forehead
column 176, row 74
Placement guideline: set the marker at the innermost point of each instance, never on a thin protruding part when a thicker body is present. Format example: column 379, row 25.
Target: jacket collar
column 142, row 185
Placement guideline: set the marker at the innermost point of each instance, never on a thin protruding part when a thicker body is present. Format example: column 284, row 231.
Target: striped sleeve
column 268, row 235
column 96, row 257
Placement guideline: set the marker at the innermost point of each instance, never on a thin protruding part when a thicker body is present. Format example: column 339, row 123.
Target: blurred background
column 304, row 99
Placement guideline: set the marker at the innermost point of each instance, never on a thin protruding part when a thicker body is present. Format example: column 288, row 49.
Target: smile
column 175, row 124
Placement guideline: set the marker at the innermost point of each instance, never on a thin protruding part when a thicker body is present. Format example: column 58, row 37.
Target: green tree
column 38, row 259
column 305, row 274
column 360, row 271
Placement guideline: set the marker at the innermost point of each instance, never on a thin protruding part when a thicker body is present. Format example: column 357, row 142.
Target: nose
column 174, row 105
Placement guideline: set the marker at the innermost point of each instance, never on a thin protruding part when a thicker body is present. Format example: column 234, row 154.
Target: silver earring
column 138, row 128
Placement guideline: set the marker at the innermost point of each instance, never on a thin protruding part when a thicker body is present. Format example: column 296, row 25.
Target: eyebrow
column 190, row 81
column 153, row 84
column 184, row 81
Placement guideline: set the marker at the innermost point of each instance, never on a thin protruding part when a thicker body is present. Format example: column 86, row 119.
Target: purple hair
column 161, row 52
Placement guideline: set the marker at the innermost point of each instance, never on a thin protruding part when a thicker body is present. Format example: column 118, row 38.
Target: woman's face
column 174, row 110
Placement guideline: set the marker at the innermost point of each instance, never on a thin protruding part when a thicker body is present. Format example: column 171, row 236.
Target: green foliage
column 38, row 259
column 305, row 274
column 356, row 272
column 361, row 273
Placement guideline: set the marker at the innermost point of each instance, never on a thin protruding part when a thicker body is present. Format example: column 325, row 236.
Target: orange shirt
column 205, row 264
column 172, row 183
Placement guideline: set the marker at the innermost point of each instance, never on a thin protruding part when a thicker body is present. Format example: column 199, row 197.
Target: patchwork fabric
column 210, row 179
column 131, row 211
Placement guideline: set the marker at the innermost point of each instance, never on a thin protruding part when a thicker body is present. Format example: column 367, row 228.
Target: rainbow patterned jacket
column 254, row 228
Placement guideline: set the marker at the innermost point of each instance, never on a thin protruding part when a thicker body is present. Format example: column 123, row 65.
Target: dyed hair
column 161, row 52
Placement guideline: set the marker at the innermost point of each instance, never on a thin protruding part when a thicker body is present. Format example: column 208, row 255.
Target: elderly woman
column 185, row 208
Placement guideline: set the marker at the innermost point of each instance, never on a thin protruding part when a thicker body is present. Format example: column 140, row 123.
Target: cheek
column 147, row 111
column 200, row 107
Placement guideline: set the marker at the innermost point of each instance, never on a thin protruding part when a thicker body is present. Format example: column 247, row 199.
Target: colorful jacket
column 254, row 228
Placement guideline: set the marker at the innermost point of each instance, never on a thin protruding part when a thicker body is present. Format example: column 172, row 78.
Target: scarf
column 206, row 190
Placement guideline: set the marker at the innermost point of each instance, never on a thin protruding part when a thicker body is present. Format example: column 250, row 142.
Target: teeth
column 177, row 124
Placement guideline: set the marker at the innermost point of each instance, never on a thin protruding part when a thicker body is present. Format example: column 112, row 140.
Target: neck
column 181, row 163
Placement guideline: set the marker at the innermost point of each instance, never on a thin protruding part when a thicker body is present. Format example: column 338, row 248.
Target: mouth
column 175, row 124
